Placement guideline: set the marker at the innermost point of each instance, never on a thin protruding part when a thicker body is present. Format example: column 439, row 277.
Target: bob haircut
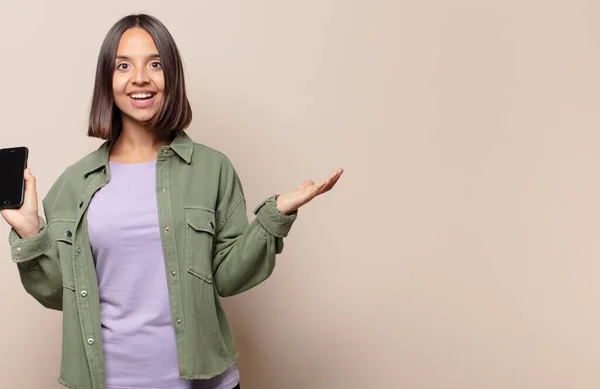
column 174, row 115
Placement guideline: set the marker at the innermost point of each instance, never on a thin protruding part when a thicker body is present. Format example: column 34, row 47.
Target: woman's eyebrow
column 155, row 55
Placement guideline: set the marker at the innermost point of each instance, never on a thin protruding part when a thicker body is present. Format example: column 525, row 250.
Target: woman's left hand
column 287, row 203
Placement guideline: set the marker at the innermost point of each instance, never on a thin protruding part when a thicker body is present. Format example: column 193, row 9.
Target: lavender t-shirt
column 137, row 331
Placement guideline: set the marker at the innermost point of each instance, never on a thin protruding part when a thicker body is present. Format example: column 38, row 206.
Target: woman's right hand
column 25, row 220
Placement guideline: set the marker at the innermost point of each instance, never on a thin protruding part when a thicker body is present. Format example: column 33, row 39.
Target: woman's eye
column 122, row 66
column 156, row 65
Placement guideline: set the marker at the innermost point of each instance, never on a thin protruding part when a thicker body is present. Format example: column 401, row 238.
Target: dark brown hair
column 175, row 113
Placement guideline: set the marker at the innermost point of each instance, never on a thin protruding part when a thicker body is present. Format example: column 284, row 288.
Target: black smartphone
column 13, row 162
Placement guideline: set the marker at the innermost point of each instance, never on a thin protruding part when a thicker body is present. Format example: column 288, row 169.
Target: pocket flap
column 62, row 230
column 200, row 219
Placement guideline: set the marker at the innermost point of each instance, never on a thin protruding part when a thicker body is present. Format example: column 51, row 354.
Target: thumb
column 30, row 189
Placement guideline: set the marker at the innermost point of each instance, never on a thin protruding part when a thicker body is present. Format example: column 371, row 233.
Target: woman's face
column 138, row 80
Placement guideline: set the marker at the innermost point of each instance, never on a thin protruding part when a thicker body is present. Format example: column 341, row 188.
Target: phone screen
column 13, row 162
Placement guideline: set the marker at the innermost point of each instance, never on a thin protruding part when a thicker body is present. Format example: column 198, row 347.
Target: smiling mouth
column 141, row 96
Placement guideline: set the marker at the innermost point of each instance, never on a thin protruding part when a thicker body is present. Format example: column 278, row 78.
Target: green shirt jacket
column 210, row 251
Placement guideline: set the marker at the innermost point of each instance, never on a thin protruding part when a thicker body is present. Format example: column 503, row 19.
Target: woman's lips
column 142, row 103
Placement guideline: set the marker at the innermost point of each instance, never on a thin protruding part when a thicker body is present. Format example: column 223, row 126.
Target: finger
column 318, row 188
column 332, row 183
column 310, row 191
column 30, row 190
column 327, row 182
column 29, row 179
column 332, row 176
column 313, row 190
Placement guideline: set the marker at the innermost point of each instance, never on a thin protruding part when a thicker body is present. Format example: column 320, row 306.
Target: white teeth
column 141, row 95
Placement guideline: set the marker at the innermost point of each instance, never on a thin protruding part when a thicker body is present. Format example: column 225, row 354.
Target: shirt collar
column 182, row 145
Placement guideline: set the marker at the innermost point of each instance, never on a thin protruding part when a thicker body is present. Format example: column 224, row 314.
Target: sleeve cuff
column 26, row 249
column 275, row 222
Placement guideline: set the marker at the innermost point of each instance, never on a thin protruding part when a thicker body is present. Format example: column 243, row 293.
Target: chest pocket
column 199, row 241
column 61, row 231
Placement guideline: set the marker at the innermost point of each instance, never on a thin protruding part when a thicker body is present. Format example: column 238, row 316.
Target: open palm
column 308, row 190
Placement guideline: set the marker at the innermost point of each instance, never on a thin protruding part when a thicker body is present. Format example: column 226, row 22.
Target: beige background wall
column 459, row 250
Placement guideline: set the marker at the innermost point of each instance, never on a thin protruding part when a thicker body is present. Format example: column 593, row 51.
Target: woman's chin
column 139, row 119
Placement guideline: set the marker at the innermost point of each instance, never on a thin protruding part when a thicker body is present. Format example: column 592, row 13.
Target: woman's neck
column 136, row 144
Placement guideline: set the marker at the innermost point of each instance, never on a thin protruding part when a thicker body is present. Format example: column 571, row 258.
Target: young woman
column 143, row 236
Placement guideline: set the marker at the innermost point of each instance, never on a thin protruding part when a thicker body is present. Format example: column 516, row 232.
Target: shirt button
column 91, row 341
column 212, row 225
column 178, row 321
column 165, row 151
column 68, row 234
column 174, row 272
column 18, row 249
column 84, row 293
column 167, row 228
column 78, row 249
column 81, row 204
column 164, row 189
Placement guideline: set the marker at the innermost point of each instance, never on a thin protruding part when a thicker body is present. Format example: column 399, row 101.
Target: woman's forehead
column 136, row 42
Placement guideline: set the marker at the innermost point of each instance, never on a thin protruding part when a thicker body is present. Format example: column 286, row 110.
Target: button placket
column 81, row 276
column 169, row 244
